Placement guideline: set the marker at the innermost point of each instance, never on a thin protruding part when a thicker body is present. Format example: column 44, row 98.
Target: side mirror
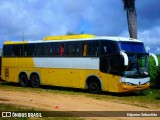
column 126, row 61
column 155, row 58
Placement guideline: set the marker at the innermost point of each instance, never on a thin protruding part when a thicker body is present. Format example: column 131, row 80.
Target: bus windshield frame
column 138, row 66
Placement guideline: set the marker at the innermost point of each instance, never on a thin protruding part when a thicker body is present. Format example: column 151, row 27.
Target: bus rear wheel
column 94, row 86
column 23, row 80
column 35, row 81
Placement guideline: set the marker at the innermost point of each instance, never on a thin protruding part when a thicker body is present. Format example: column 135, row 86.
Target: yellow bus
column 96, row 63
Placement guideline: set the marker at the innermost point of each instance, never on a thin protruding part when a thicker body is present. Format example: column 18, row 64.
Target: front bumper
column 127, row 88
column 134, row 84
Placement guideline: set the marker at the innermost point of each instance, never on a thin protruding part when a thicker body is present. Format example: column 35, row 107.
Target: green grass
column 149, row 100
column 8, row 107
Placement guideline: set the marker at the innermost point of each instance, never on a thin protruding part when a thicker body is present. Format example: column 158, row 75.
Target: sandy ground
column 61, row 102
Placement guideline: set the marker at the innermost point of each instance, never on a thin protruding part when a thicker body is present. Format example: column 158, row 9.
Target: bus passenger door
column 110, row 66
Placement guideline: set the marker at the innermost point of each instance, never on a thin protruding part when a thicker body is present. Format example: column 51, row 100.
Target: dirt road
column 62, row 102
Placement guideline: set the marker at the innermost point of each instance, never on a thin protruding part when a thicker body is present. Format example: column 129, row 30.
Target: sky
column 35, row 19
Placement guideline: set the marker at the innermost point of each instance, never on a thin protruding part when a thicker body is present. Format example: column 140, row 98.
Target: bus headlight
column 147, row 82
column 127, row 83
column 145, row 73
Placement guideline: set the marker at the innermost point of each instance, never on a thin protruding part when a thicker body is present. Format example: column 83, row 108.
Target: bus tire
column 94, row 85
column 23, row 80
column 35, row 81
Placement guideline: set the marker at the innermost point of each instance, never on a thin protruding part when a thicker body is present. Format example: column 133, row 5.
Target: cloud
column 148, row 48
column 147, row 13
column 151, row 37
column 38, row 18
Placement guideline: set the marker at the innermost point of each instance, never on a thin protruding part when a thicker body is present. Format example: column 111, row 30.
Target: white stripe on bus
column 75, row 63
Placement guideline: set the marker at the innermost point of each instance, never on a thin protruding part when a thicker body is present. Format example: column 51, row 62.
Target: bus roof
column 76, row 36
column 81, row 37
column 118, row 38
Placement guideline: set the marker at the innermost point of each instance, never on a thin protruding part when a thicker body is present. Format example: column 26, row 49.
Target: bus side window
column 104, row 50
column 112, row 48
column 73, row 49
column 42, row 49
column 108, row 47
column 51, row 51
column 113, row 65
column 61, row 50
column 17, row 50
column 84, row 49
column 68, row 49
column 109, row 64
column 25, row 50
column 38, row 49
column 76, row 49
column 92, row 48
column 7, row 50
column 31, row 50
column 46, row 49
column 54, row 49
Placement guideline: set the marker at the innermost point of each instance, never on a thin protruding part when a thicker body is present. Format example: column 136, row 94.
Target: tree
column 129, row 6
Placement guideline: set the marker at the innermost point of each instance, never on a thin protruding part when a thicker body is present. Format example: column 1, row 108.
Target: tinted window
column 109, row 64
column 55, row 49
column 132, row 47
column 113, row 65
column 42, row 49
column 72, row 49
column 46, row 49
column 61, row 49
column 31, row 50
column 108, row 47
column 7, row 50
column 90, row 48
column 17, row 50
column 24, row 50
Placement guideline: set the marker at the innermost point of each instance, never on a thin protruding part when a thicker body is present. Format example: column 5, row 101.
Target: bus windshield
column 135, row 47
column 138, row 66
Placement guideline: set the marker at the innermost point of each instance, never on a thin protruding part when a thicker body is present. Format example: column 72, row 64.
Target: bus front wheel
column 94, row 86
column 35, row 81
column 23, row 80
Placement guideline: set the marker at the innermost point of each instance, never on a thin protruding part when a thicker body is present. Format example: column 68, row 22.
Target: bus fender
column 23, row 72
column 36, row 74
column 94, row 76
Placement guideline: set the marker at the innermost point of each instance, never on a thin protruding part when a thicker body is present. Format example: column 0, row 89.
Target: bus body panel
column 51, row 72
column 67, row 77
column 69, row 62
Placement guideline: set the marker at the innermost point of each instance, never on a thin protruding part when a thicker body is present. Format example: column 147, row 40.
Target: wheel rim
column 35, row 81
column 94, row 87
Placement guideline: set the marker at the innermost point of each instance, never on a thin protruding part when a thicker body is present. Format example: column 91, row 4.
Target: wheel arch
column 90, row 77
column 21, row 73
column 35, row 73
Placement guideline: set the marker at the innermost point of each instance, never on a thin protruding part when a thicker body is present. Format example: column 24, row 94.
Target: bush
column 154, row 72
